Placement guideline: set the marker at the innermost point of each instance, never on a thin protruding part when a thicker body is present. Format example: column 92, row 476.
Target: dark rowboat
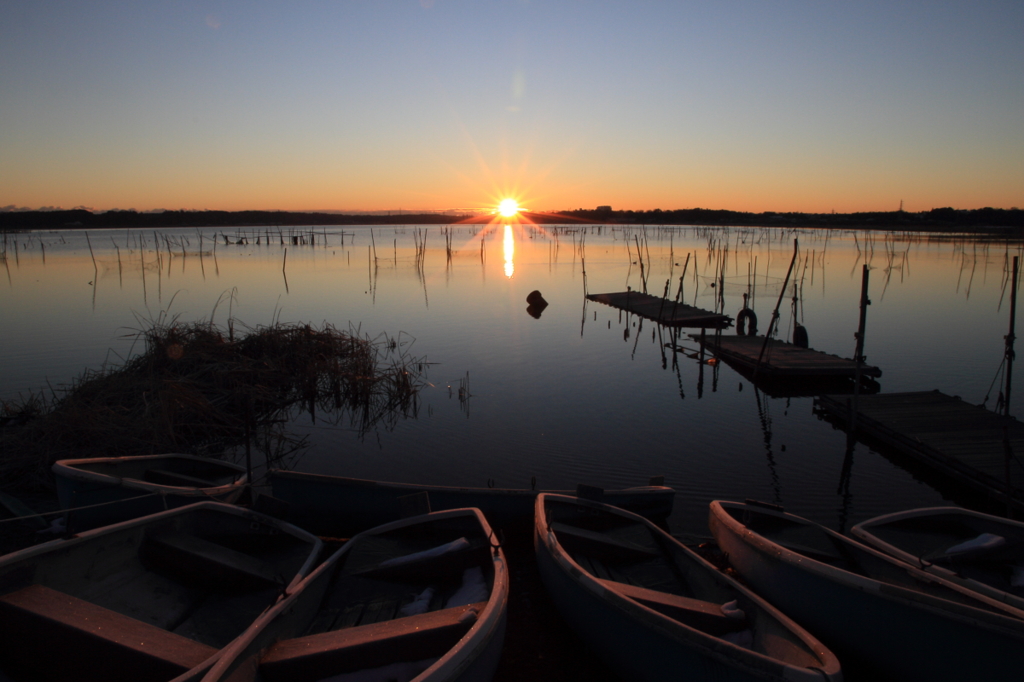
column 147, row 600
column 655, row 610
column 866, row 605
column 340, row 507
column 419, row 599
column 105, row 490
column 977, row 551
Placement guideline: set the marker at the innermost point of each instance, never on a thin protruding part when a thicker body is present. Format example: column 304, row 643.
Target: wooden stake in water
column 1010, row 339
column 858, row 354
column 87, row 241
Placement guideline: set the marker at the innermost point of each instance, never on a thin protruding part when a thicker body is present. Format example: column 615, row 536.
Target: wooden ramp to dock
column 966, row 441
column 662, row 310
column 781, row 359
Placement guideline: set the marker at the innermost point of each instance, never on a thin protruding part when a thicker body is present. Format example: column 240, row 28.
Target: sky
column 763, row 105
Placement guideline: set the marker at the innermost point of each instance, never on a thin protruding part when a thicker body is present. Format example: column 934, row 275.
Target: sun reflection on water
column 509, row 244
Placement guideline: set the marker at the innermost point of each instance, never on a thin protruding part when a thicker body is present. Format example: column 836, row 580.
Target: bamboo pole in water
column 858, row 354
column 1010, row 338
column 775, row 313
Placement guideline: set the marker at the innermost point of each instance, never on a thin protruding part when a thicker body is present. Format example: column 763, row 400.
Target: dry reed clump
column 198, row 389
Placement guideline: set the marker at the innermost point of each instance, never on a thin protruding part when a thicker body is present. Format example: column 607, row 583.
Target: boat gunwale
column 721, row 650
column 1002, row 617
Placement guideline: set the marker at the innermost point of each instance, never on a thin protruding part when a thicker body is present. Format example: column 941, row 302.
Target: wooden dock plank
column 662, row 310
column 781, row 358
column 960, row 439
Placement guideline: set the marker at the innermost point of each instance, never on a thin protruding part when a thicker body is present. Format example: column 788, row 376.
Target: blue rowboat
column 147, row 600
column 977, row 551
column 335, row 506
column 420, row 599
column 105, row 490
column 655, row 610
column 866, row 605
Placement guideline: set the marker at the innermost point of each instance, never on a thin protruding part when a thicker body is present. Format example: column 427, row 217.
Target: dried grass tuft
column 198, row 388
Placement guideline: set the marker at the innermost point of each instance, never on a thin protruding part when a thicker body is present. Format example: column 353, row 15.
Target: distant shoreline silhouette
column 1009, row 222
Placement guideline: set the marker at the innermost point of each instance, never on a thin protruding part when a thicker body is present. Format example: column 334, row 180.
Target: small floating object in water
column 537, row 304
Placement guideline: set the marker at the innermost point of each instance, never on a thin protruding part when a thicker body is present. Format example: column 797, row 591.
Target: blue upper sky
column 433, row 104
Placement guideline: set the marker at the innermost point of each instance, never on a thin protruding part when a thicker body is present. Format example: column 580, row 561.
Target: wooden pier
column 663, row 310
column 781, row 359
column 968, row 442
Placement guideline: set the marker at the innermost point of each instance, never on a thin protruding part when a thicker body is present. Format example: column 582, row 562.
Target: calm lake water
column 582, row 394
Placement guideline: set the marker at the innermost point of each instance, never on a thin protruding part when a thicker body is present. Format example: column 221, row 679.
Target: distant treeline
column 80, row 218
column 1003, row 221
column 937, row 219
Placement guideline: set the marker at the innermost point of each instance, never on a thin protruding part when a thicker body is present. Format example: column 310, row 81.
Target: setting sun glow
column 508, row 207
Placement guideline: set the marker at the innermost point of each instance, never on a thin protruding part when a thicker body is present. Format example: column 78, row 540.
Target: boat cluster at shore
column 163, row 574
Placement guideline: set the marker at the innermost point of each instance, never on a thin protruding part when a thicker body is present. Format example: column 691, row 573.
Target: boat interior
column 932, row 537
column 630, row 558
column 149, row 602
column 399, row 598
column 173, row 471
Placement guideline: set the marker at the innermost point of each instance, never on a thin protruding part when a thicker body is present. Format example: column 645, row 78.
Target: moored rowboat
column 654, row 610
column 147, row 600
column 866, row 605
column 977, row 551
column 336, row 506
column 420, row 599
column 120, row 488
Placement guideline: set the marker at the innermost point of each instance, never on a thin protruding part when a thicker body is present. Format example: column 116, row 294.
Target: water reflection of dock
column 968, row 442
column 803, row 386
column 780, row 359
column 662, row 310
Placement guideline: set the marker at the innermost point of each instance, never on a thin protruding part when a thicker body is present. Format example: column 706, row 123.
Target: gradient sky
column 435, row 104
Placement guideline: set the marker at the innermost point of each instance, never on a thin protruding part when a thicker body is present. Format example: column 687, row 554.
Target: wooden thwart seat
column 432, row 567
column 201, row 562
column 165, row 477
column 412, row 638
column 51, row 635
column 593, row 542
column 1010, row 551
column 702, row 615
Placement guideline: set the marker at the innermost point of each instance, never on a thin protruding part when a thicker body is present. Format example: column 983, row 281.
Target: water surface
column 584, row 393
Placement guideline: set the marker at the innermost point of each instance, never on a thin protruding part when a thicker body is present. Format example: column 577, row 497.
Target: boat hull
column 335, row 506
column 886, row 627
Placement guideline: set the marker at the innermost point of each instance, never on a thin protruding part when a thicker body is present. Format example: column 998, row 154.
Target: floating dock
column 781, row 359
column 968, row 442
column 662, row 310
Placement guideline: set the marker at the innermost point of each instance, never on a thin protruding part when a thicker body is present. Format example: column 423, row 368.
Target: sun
column 508, row 207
